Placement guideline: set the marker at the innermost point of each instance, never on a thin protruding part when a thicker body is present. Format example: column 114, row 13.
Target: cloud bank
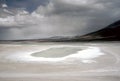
column 58, row 18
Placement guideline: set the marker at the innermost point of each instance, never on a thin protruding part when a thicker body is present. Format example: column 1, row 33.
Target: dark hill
column 111, row 32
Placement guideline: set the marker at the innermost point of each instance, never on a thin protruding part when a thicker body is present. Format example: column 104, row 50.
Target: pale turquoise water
column 57, row 52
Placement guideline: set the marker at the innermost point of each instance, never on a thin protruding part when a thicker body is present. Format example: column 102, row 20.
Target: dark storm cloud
column 82, row 15
column 59, row 18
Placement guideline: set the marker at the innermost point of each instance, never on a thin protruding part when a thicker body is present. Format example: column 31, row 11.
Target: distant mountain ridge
column 111, row 32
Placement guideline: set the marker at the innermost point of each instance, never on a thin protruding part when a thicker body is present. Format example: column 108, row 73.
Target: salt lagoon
column 60, row 61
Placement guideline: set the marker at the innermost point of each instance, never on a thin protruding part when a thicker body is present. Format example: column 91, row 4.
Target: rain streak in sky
column 35, row 19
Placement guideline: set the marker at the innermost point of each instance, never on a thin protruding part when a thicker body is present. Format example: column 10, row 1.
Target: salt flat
column 98, row 61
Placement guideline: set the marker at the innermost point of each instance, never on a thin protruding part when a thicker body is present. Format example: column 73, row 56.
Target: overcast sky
column 34, row 19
